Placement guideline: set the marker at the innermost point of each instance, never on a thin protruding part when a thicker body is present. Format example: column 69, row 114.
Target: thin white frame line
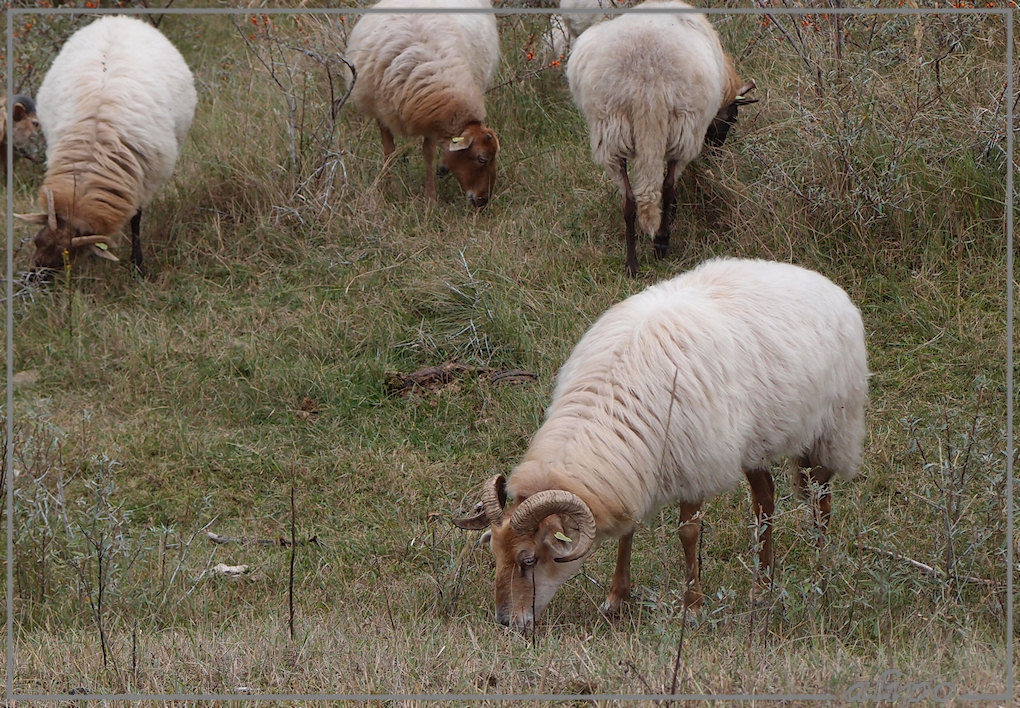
column 11, row 12
column 1009, row 358
column 514, row 11
column 9, row 364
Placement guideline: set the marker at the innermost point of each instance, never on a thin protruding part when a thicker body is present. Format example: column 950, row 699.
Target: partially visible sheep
column 564, row 29
column 25, row 124
column 424, row 75
column 115, row 107
column 652, row 88
column 675, row 395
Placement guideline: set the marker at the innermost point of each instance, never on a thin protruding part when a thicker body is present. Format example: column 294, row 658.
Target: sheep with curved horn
column 675, row 395
column 115, row 106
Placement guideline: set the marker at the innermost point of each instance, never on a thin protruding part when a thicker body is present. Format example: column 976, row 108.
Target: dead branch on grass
column 434, row 377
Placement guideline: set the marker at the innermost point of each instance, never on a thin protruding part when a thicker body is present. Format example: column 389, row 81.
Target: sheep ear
column 37, row 219
column 459, row 143
column 19, row 112
column 100, row 253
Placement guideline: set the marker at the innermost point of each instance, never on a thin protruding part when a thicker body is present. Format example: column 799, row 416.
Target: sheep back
column 424, row 74
column 114, row 106
column 648, row 86
column 734, row 364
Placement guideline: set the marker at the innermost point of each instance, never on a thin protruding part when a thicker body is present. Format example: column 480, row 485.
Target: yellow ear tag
column 563, row 537
column 458, row 139
column 102, row 246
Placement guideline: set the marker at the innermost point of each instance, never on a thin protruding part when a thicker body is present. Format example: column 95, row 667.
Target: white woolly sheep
column 653, row 88
column 423, row 75
column 675, row 394
column 565, row 28
column 25, row 124
column 115, row 107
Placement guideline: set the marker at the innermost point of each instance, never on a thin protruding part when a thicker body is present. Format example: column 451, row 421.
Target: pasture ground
column 289, row 280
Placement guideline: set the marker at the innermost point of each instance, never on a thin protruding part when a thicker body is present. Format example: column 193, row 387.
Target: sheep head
column 538, row 542
column 57, row 237
column 726, row 118
column 26, row 124
column 471, row 157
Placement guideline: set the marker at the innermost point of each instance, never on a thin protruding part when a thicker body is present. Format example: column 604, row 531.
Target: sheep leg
column 661, row 242
column 619, row 589
column 136, row 242
column 428, row 150
column 629, row 214
column 690, row 526
column 387, row 142
column 763, row 499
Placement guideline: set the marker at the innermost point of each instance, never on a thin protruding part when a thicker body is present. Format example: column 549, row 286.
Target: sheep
column 423, row 75
column 653, row 88
column 115, row 106
column 672, row 395
column 565, row 28
column 25, row 124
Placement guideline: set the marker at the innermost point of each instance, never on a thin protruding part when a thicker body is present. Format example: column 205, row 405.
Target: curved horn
column 51, row 212
column 489, row 511
column 494, row 499
column 741, row 98
column 82, row 241
column 532, row 510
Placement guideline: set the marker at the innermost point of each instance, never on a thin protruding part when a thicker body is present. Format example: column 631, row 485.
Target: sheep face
column 26, row 124
column 57, row 242
column 527, row 574
column 726, row 117
column 51, row 245
column 539, row 542
column 471, row 157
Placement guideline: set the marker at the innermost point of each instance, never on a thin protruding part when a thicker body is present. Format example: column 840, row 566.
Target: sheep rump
column 675, row 392
column 423, row 74
column 649, row 86
column 115, row 106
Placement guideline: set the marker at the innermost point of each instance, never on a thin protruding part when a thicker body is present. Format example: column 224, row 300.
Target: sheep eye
column 528, row 561
column 483, row 159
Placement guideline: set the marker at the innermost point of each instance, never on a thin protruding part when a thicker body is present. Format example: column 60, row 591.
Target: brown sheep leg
column 629, row 214
column 387, row 142
column 763, row 499
column 428, row 151
column 661, row 243
column 690, row 525
column 136, row 242
column 619, row 589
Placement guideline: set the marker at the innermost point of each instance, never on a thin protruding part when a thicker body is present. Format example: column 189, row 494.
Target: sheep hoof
column 661, row 249
column 611, row 606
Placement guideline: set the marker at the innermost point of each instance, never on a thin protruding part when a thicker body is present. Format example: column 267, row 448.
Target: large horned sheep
column 25, row 124
column 115, row 107
column 423, row 75
column 675, row 394
column 653, row 88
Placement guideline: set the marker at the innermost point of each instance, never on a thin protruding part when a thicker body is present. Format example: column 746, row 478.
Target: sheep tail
column 646, row 169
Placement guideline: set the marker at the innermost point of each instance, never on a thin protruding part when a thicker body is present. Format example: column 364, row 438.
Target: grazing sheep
column 115, row 107
column 675, row 394
column 565, row 28
column 25, row 124
column 652, row 89
column 423, row 75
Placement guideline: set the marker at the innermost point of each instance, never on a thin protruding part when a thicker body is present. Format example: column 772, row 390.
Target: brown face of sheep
column 26, row 125
column 538, row 543
column 726, row 118
column 57, row 240
column 471, row 157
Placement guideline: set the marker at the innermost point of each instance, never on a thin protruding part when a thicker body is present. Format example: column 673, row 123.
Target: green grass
column 173, row 404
